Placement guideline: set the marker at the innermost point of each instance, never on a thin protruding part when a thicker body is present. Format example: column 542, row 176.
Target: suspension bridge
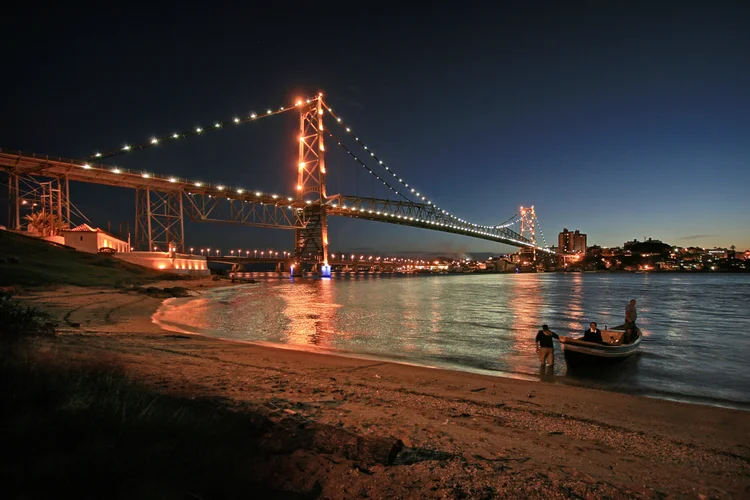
column 163, row 202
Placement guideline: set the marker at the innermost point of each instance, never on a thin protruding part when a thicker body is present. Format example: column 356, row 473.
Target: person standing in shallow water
column 545, row 347
column 631, row 314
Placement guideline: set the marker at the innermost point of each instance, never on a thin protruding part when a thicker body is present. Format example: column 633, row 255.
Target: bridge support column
column 14, row 203
column 67, row 202
column 159, row 221
column 311, row 242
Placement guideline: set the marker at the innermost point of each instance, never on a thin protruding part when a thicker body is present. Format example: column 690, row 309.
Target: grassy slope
column 88, row 432
column 41, row 263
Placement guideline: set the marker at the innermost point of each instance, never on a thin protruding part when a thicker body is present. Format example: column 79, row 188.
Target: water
column 696, row 327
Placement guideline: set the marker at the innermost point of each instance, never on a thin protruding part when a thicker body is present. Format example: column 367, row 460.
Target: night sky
column 625, row 121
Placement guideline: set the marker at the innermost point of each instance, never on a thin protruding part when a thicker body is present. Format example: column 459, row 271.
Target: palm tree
column 47, row 224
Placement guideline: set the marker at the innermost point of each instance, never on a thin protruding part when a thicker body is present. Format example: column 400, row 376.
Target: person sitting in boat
column 593, row 334
column 545, row 347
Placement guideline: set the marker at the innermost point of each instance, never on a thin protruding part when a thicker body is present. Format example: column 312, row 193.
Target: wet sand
column 465, row 435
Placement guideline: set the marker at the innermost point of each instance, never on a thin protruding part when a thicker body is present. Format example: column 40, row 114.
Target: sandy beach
column 456, row 434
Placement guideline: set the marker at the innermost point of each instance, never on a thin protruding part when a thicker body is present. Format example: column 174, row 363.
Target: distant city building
column 631, row 244
column 571, row 242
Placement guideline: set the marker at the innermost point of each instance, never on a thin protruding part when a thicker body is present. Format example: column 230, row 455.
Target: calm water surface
column 696, row 343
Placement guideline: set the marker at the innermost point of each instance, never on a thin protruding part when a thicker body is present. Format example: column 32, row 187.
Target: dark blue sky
column 622, row 121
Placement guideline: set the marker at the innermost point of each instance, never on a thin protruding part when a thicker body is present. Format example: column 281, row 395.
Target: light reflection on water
column 696, row 326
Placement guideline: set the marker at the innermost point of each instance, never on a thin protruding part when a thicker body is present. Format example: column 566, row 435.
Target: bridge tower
column 311, row 242
column 528, row 223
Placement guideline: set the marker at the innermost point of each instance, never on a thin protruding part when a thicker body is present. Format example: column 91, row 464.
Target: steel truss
column 422, row 215
column 159, row 222
column 201, row 207
column 38, row 193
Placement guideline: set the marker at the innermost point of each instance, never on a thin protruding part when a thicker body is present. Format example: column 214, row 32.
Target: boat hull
column 578, row 351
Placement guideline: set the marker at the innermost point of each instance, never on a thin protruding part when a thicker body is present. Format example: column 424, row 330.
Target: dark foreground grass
column 83, row 432
column 27, row 261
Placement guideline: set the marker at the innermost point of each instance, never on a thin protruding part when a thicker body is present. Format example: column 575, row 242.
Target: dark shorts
column 630, row 325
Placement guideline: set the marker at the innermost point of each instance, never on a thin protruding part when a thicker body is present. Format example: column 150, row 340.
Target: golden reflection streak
column 526, row 303
column 410, row 319
column 575, row 307
column 311, row 311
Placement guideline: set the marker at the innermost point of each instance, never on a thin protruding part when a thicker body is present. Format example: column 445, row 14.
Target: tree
column 47, row 224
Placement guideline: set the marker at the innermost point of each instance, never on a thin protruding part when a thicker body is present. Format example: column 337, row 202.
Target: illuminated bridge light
column 198, row 184
column 253, row 115
column 217, row 125
column 154, row 140
column 116, row 170
column 175, row 136
column 220, row 188
column 240, row 191
column 236, row 120
column 126, row 148
column 98, row 155
column 86, row 166
column 172, row 179
column 199, row 130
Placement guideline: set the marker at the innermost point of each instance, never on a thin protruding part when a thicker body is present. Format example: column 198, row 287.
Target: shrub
column 16, row 319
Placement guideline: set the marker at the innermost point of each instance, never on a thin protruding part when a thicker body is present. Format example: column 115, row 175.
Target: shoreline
column 520, row 375
column 585, row 441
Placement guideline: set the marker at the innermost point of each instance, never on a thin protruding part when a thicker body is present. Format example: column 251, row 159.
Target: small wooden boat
column 613, row 349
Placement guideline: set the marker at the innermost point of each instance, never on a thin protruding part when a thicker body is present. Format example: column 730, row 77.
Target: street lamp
column 231, row 252
column 217, row 252
column 256, row 253
column 201, row 251
column 191, row 250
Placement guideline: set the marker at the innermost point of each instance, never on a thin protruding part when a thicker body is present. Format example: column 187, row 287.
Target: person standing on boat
column 631, row 314
column 593, row 334
column 545, row 347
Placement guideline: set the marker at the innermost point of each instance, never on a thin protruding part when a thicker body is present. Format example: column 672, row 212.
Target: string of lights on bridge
column 272, row 254
column 396, row 176
column 217, row 125
column 156, row 140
